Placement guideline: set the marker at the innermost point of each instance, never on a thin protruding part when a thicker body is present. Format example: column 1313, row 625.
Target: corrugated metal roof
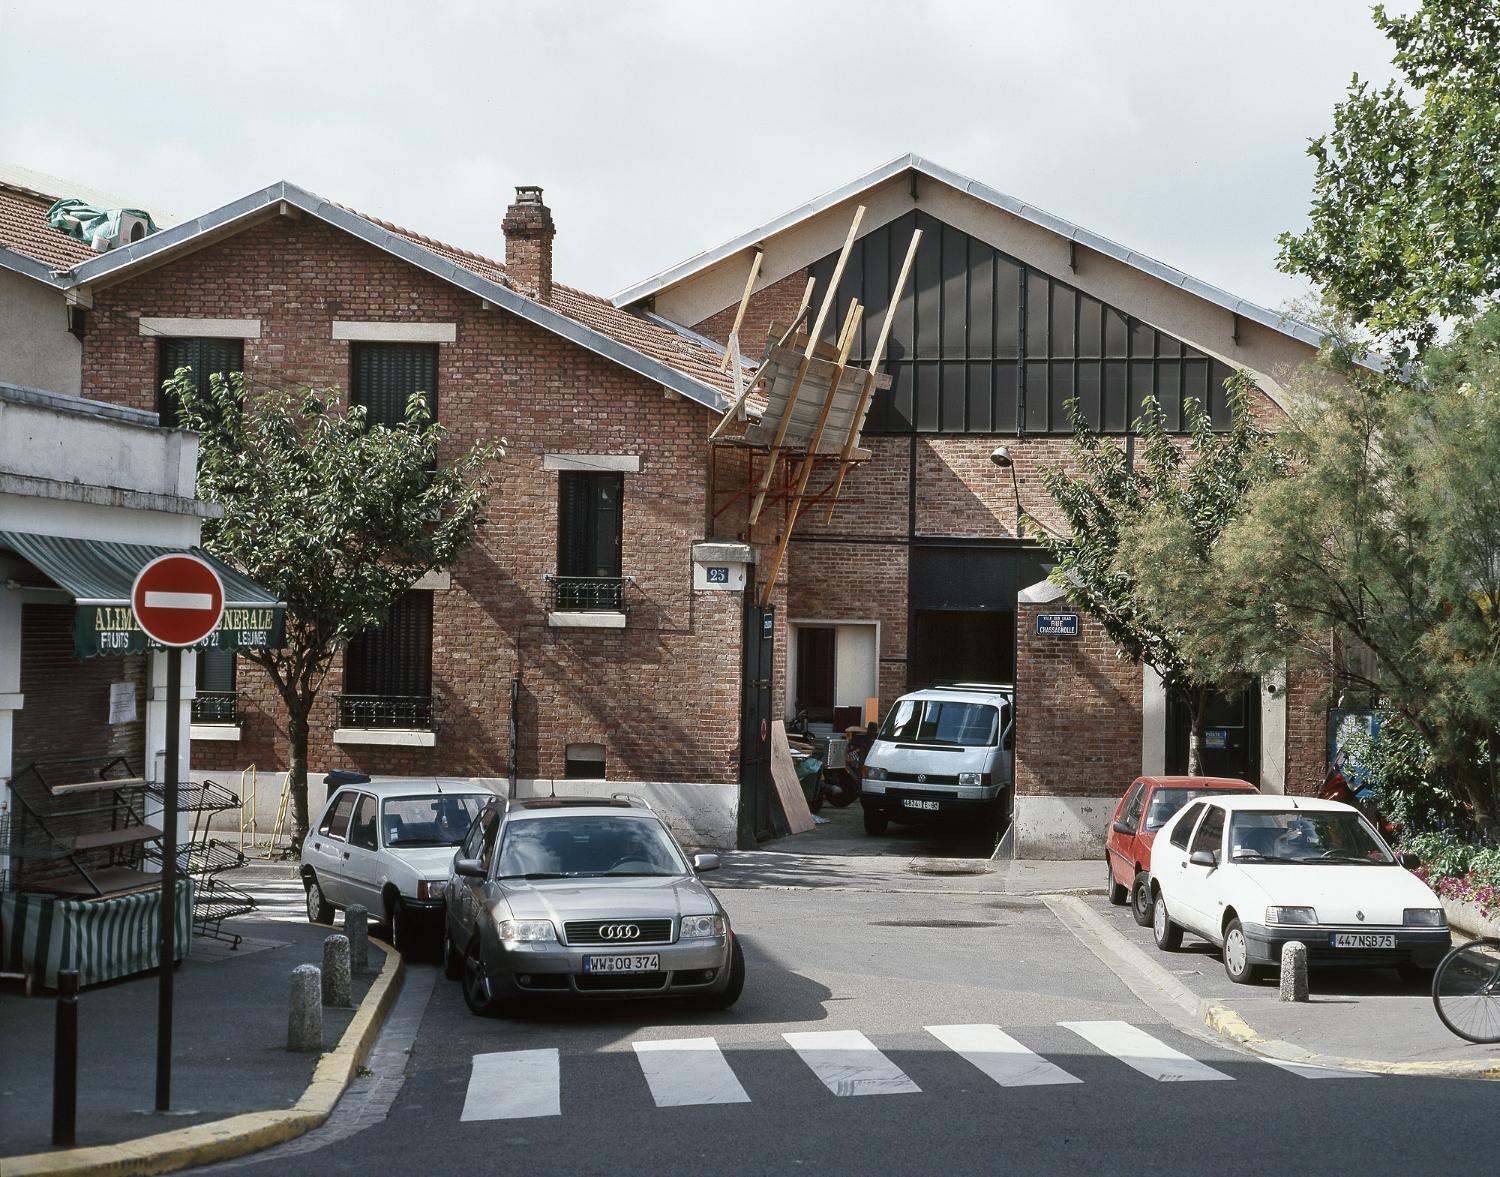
column 1020, row 208
column 100, row 572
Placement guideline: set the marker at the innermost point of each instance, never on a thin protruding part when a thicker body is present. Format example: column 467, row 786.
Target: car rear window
column 944, row 722
column 1166, row 802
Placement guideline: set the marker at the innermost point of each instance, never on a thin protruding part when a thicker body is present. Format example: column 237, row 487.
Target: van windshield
column 944, row 722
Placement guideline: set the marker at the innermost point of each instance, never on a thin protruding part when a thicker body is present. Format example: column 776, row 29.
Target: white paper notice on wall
column 122, row 702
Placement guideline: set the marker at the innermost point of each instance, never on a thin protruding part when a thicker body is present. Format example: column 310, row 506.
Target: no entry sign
column 178, row 600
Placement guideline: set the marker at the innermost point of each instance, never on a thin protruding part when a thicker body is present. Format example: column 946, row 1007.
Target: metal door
column 757, row 806
column 1231, row 735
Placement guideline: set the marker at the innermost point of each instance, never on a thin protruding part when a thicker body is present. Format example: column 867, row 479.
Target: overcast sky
column 659, row 128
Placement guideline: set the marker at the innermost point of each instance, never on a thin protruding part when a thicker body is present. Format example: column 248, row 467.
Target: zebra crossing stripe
column 1148, row 1055
column 848, row 1063
column 513, row 1085
column 686, row 1072
column 1000, row 1056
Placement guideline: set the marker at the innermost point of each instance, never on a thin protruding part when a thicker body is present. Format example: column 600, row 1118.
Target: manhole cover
column 950, row 866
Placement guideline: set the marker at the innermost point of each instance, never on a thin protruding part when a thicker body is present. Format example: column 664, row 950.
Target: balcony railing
column 588, row 594
column 216, row 707
column 412, row 712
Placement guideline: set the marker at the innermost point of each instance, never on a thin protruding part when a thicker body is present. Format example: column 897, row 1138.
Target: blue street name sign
column 1057, row 625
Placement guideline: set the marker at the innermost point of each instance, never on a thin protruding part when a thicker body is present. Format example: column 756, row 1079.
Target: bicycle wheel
column 1466, row 991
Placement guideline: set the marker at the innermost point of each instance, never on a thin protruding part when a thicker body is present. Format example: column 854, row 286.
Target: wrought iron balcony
column 216, row 707
column 588, row 594
column 413, row 712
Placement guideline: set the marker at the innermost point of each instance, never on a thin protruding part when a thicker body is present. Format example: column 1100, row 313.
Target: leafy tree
column 1405, row 224
column 337, row 516
column 1387, row 538
column 1141, row 552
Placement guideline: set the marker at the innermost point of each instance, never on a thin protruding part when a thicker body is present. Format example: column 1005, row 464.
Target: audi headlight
column 874, row 774
column 697, row 927
column 1291, row 915
column 525, row 931
column 1424, row 917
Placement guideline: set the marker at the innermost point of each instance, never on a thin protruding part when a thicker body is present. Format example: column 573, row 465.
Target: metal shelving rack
column 203, row 859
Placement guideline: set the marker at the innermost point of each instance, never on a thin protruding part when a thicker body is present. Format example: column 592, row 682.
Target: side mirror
column 703, row 862
column 1410, row 861
column 1204, row 858
column 468, row 868
column 1122, row 827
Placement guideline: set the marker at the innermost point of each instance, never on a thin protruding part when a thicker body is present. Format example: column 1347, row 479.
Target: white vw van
column 943, row 753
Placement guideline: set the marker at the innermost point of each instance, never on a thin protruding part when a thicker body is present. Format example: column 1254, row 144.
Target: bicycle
column 1466, row 990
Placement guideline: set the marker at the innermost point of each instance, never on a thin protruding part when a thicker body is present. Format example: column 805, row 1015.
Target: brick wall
column 1078, row 729
column 1306, row 730
column 662, row 695
column 776, row 303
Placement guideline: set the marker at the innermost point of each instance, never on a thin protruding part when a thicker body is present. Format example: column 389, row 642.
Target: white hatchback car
column 1252, row 873
column 388, row 846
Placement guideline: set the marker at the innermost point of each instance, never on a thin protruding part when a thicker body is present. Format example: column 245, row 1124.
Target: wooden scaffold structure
column 815, row 401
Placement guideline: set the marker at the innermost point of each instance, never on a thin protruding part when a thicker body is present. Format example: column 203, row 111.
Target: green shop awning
column 99, row 574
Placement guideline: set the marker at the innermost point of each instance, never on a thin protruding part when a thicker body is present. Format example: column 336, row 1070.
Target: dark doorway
column 1231, row 735
column 950, row 645
column 757, row 809
column 815, row 672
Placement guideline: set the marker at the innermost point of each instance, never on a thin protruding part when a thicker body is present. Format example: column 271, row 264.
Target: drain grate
column 950, row 866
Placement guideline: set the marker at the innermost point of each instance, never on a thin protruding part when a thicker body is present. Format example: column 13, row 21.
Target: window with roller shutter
column 383, row 376
column 588, row 541
column 388, row 670
column 204, row 356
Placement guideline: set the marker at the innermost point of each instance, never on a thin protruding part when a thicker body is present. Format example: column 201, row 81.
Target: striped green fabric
column 101, row 938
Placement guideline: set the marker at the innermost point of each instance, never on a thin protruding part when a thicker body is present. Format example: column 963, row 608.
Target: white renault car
column 388, row 846
column 1252, row 873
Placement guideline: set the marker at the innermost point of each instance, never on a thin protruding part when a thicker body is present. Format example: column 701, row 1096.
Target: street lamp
column 1000, row 455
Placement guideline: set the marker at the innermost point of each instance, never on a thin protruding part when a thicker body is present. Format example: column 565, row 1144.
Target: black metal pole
column 168, row 884
column 65, row 1061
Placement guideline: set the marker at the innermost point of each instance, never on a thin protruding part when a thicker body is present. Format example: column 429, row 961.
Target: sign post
column 178, row 601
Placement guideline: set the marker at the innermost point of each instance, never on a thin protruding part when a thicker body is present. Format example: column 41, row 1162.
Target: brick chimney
column 528, row 242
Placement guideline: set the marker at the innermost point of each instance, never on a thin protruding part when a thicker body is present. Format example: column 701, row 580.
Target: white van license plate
column 622, row 964
column 913, row 803
column 1361, row 940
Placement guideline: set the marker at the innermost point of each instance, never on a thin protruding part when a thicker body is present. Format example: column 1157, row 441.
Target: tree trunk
column 1198, row 701
column 296, row 771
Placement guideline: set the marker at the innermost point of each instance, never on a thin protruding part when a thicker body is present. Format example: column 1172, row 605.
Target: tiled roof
column 697, row 360
column 24, row 229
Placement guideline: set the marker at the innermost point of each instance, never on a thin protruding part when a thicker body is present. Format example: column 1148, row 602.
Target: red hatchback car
column 1145, row 808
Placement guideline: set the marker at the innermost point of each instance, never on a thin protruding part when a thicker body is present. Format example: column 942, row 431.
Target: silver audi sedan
column 583, row 898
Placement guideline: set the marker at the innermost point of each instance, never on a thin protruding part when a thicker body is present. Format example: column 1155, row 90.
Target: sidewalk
column 229, row 1042
column 1364, row 1018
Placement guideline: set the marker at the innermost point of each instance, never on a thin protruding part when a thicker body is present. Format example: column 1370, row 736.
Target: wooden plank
column 846, row 342
column 741, row 397
column 111, row 881
column 129, row 836
column 830, row 296
column 97, row 786
column 875, row 360
column 732, row 354
column 784, row 774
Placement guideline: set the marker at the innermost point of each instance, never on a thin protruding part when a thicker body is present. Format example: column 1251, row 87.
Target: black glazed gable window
column 383, row 376
column 983, row 344
column 204, row 356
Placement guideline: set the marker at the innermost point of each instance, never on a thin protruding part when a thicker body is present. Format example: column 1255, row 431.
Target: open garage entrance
column 962, row 600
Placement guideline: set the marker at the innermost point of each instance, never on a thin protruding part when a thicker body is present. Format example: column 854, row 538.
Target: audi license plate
column 1361, row 940
column 645, row 963
column 913, row 803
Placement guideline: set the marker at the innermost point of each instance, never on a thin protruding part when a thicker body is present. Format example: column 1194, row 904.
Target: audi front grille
column 617, row 933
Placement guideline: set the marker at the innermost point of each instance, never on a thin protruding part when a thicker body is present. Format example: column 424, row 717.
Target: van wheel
column 1117, row 892
column 876, row 822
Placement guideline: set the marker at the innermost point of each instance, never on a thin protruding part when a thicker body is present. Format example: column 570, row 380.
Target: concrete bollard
column 305, row 1024
column 357, row 928
column 337, row 990
column 1294, row 971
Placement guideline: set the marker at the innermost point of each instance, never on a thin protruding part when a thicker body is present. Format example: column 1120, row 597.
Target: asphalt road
column 910, row 984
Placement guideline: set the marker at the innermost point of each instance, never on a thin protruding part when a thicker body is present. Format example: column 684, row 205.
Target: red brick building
column 922, row 575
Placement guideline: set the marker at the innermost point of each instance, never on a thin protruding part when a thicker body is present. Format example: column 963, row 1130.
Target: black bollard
column 65, row 1061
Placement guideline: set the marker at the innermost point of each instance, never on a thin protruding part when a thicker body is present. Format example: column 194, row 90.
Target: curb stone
column 219, row 1140
column 1167, row 995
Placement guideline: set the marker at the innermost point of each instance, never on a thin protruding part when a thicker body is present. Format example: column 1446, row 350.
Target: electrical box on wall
column 721, row 566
